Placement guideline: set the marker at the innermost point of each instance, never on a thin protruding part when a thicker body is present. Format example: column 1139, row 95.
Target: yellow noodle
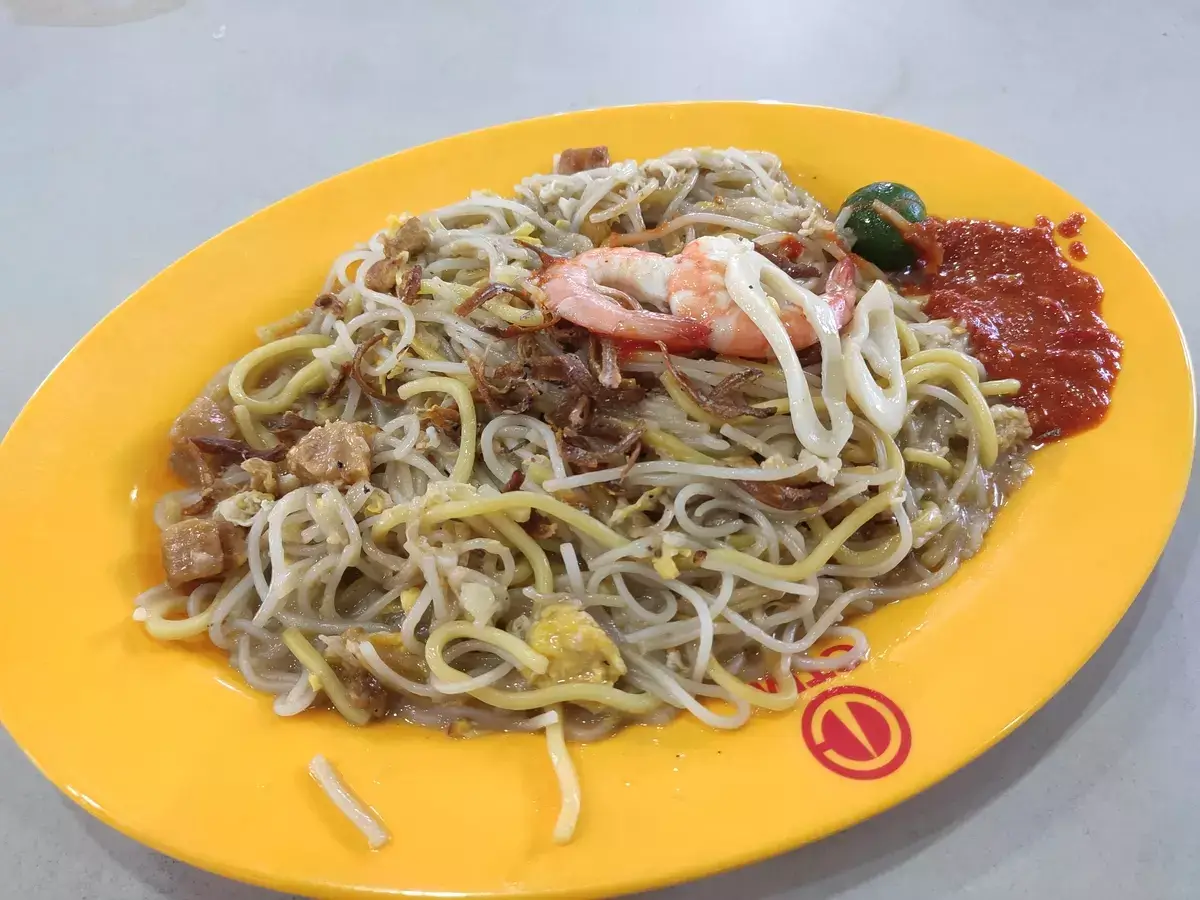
column 537, row 472
column 465, row 464
column 577, row 519
column 944, row 355
column 329, row 682
column 895, row 459
column 848, row 556
column 687, row 404
column 908, row 341
column 259, row 439
column 302, row 381
column 925, row 458
column 523, row 318
column 892, row 456
column 784, row 699
column 981, row 416
column 777, row 407
column 670, row 447
column 539, row 564
column 174, row 629
column 523, row 572
column 780, row 406
column 529, row 658
column 1000, row 387
column 829, row 544
column 483, row 529
column 930, row 519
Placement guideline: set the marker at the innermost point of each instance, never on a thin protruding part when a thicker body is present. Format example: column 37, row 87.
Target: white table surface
column 131, row 130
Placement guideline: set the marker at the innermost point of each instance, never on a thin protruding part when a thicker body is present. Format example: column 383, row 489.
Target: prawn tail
column 680, row 333
column 840, row 285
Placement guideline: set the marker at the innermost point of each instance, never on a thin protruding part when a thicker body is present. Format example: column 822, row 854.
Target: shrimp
column 697, row 290
column 587, row 290
column 575, row 290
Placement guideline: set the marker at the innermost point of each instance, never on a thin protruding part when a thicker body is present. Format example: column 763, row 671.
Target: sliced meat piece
column 337, row 453
column 411, row 237
column 192, row 551
column 381, row 277
column 233, row 544
column 191, row 466
column 365, row 691
column 202, row 418
column 580, row 159
column 330, row 304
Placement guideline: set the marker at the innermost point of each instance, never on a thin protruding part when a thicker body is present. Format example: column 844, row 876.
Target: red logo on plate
column 856, row 732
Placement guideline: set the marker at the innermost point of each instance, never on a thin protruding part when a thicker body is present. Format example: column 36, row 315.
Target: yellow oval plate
column 165, row 742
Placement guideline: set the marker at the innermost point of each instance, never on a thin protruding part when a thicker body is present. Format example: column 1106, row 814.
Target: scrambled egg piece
column 1012, row 426
column 408, row 598
column 577, row 648
column 647, row 501
column 664, row 563
column 242, row 507
column 478, row 601
column 376, row 503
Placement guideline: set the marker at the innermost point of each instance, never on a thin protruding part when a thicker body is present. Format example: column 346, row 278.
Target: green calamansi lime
column 876, row 239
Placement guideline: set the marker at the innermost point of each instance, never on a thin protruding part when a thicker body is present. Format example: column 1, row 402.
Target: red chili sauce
column 1069, row 227
column 1030, row 314
column 791, row 247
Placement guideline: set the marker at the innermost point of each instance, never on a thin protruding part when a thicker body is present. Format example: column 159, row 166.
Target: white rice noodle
column 397, row 345
column 634, row 549
column 298, row 699
column 747, row 274
column 574, row 575
column 350, row 553
column 617, row 571
column 694, row 528
column 237, row 596
column 592, row 194
column 775, row 584
column 568, row 781
column 526, row 427
column 871, row 348
column 348, row 805
column 705, row 621
column 283, row 578
column 664, row 684
column 690, row 470
column 474, row 683
column 367, row 654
